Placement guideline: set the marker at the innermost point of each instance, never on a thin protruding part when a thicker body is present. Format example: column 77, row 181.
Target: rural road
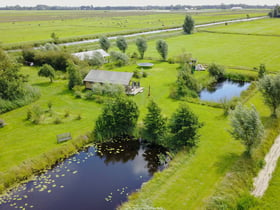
column 163, row 30
column 261, row 182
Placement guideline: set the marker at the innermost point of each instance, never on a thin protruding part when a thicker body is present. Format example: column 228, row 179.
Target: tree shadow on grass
column 225, row 162
column 42, row 84
column 65, row 92
column 269, row 121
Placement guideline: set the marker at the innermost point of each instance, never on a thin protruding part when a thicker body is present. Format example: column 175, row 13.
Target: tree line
column 170, row 7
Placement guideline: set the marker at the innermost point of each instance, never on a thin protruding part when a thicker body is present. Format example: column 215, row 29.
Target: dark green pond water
column 98, row 178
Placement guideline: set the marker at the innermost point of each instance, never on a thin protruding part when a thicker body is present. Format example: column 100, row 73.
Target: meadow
column 31, row 26
column 193, row 176
column 265, row 27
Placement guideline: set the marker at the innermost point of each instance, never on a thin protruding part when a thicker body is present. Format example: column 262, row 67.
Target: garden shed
column 89, row 54
column 113, row 77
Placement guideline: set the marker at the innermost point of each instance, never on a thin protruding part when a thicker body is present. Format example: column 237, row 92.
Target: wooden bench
column 63, row 137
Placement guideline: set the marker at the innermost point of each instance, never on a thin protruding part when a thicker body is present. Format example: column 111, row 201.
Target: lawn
column 190, row 179
column 31, row 26
column 231, row 50
column 21, row 140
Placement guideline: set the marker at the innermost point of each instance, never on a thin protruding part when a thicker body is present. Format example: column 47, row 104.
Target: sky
column 4, row 3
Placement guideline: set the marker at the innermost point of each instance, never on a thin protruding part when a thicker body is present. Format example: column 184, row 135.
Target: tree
column 47, row 71
column 121, row 44
column 12, row 83
column 96, row 60
column 275, row 12
column 183, row 127
column 162, row 48
column 118, row 118
column 155, row 124
column 104, row 43
column 55, row 37
column 216, row 71
column 262, row 71
column 74, row 76
column 270, row 88
column 186, row 84
column 246, row 126
column 188, row 25
column 120, row 59
column 141, row 44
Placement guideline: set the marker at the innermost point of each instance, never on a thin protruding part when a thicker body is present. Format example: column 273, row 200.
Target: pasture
column 266, row 27
column 192, row 176
column 28, row 26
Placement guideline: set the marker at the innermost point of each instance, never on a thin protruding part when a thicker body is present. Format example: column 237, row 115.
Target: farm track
column 261, row 182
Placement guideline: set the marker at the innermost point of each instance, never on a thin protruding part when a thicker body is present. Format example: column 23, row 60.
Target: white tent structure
column 199, row 67
column 89, row 54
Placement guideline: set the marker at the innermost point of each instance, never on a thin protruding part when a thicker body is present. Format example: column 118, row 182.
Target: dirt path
column 261, row 182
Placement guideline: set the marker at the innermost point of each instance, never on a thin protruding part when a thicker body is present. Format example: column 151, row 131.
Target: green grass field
column 191, row 178
column 270, row 200
column 231, row 50
column 34, row 26
column 259, row 27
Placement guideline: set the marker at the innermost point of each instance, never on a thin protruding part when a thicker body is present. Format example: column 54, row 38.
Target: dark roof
column 111, row 77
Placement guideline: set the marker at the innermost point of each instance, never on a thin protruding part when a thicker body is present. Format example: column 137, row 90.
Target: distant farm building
column 89, row 54
column 113, row 77
column 236, row 8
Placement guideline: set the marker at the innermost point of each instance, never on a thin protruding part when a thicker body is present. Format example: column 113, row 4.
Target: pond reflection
column 223, row 90
column 100, row 177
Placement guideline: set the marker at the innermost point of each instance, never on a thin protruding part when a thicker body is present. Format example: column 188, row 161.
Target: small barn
column 90, row 54
column 113, row 77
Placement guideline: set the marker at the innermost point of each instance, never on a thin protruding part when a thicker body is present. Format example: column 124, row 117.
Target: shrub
column 119, row 59
column 37, row 114
column 57, row 120
column 2, row 123
column 144, row 74
column 216, row 71
column 96, row 60
column 67, row 113
column 137, row 74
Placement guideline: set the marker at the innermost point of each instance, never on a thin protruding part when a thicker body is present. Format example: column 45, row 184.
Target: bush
column 246, row 202
column 119, row 59
column 57, row 120
column 216, row 71
column 31, row 94
column 96, row 60
column 2, row 123
column 137, row 74
column 144, row 74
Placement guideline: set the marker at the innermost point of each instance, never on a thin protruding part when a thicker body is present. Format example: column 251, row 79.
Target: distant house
column 236, row 8
column 113, row 77
column 89, row 54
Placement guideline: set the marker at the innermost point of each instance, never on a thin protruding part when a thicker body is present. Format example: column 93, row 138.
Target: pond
column 223, row 90
column 99, row 178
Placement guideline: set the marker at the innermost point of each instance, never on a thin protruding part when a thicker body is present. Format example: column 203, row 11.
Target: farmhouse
column 113, row 77
column 89, row 54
